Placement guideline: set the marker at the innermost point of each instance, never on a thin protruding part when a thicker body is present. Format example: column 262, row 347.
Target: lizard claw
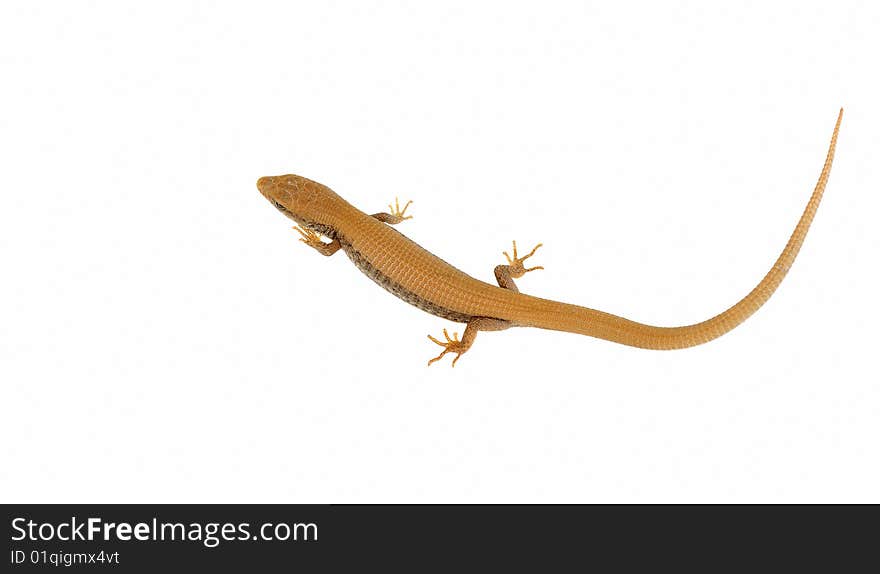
column 397, row 212
column 309, row 237
column 515, row 263
column 452, row 345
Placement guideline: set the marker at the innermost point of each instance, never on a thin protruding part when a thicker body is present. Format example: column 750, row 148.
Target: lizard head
column 300, row 199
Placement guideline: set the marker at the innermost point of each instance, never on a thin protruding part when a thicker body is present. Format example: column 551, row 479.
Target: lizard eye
column 279, row 206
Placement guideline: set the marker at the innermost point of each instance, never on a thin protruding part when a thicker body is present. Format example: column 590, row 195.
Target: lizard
column 426, row 281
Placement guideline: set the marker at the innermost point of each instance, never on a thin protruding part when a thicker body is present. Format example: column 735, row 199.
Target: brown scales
column 420, row 278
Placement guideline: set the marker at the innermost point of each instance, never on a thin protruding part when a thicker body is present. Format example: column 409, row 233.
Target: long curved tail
column 575, row 319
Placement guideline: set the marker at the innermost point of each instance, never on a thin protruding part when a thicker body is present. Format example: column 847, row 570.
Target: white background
column 164, row 337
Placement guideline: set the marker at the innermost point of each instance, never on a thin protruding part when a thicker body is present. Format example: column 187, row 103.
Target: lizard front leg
column 505, row 274
column 396, row 216
column 313, row 240
column 475, row 325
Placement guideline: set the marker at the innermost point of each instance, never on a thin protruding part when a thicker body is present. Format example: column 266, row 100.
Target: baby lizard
column 420, row 278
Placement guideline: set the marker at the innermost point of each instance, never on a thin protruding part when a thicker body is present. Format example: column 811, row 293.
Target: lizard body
column 420, row 278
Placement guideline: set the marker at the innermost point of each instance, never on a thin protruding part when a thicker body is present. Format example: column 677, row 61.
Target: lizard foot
column 452, row 345
column 398, row 213
column 516, row 263
column 309, row 237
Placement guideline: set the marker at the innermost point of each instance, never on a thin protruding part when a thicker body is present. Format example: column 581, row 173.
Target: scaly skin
column 420, row 278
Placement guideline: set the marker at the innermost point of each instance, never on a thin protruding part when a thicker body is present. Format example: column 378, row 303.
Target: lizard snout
column 264, row 183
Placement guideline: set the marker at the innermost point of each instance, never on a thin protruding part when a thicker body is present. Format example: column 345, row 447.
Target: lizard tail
column 576, row 319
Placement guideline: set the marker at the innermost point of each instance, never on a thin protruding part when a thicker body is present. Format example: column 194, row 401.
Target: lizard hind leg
column 505, row 274
column 396, row 214
column 459, row 347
